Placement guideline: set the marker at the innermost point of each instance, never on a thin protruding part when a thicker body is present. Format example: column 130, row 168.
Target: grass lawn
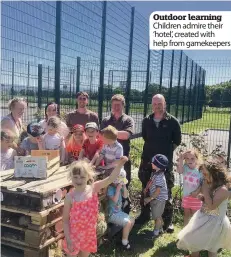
column 143, row 244
column 210, row 120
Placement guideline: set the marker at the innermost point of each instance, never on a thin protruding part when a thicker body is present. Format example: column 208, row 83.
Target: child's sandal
column 126, row 247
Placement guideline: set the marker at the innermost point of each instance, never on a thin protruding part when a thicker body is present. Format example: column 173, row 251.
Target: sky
column 146, row 8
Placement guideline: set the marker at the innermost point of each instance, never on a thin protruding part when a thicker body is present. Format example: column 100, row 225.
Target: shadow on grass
column 139, row 240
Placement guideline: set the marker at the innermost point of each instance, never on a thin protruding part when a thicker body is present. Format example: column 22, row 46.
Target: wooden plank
column 31, row 213
column 9, row 184
column 28, row 251
column 13, row 226
column 34, row 184
column 24, row 244
column 51, row 154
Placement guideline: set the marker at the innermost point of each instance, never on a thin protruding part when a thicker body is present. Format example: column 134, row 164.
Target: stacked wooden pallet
column 31, row 216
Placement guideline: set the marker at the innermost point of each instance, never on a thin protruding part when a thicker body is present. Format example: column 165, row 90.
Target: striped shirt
column 112, row 152
column 159, row 181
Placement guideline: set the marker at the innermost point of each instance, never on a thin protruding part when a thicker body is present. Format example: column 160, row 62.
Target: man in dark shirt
column 162, row 134
column 125, row 126
column 81, row 115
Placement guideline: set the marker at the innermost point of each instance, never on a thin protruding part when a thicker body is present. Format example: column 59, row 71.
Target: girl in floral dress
column 81, row 208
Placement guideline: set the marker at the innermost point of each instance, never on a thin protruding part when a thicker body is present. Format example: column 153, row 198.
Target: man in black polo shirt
column 162, row 134
column 125, row 126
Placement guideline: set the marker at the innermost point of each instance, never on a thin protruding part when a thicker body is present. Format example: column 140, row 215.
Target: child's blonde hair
column 83, row 167
column 54, row 122
column 197, row 154
column 7, row 134
column 110, row 132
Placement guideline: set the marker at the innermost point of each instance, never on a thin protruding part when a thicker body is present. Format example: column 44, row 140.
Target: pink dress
column 83, row 221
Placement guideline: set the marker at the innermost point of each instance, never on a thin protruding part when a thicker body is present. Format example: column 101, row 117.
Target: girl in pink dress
column 81, row 208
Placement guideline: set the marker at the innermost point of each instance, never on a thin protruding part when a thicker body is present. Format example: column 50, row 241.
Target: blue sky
column 146, row 8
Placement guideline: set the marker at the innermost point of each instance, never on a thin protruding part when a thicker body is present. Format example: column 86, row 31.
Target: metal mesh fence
column 102, row 48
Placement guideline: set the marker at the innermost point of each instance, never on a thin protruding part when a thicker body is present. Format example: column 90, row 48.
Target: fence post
column 70, row 92
column 194, row 93
column 58, row 51
column 178, row 86
column 229, row 144
column 203, row 92
column 91, row 79
column 185, row 86
column 28, row 83
column 161, row 70
column 147, row 84
column 40, row 81
column 78, row 75
column 102, row 61
column 198, row 94
column 48, row 83
column 190, row 91
column 170, row 85
column 12, row 82
column 129, row 74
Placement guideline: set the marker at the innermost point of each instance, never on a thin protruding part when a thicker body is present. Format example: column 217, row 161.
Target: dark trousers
column 144, row 174
column 127, row 168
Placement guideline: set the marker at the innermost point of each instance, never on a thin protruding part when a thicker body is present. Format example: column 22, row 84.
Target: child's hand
column 70, row 245
column 147, row 200
column 201, row 197
column 119, row 187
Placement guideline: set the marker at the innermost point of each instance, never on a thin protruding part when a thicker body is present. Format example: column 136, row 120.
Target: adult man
column 162, row 134
column 125, row 126
column 81, row 115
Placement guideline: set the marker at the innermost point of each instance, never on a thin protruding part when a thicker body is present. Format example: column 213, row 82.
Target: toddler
column 93, row 144
column 188, row 165
column 81, row 208
column 157, row 191
column 7, row 152
column 52, row 140
column 115, row 192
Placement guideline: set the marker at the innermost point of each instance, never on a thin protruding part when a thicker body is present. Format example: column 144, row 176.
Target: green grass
column 209, row 120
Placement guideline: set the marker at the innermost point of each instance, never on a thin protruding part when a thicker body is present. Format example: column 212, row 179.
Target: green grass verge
column 209, row 120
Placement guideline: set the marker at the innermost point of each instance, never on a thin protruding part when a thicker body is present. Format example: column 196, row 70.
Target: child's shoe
column 156, row 233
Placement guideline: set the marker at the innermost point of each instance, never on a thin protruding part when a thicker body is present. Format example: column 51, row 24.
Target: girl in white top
column 52, row 140
column 51, row 110
column 7, row 152
column 13, row 121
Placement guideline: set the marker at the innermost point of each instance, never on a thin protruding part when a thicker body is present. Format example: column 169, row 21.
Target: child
column 92, row 145
column 112, row 149
column 52, row 140
column 158, row 191
column 7, row 152
column 192, row 179
column 209, row 229
column 75, row 143
column 34, row 131
column 116, row 215
column 81, row 208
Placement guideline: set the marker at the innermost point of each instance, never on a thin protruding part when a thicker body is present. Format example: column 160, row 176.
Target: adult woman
column 13, row 121
column 51, row 109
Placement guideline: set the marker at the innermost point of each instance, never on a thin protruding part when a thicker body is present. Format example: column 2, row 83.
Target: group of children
column 205, row 188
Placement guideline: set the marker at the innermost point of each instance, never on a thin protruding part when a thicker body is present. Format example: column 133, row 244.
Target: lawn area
column 210, row 120
column 143, row 244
